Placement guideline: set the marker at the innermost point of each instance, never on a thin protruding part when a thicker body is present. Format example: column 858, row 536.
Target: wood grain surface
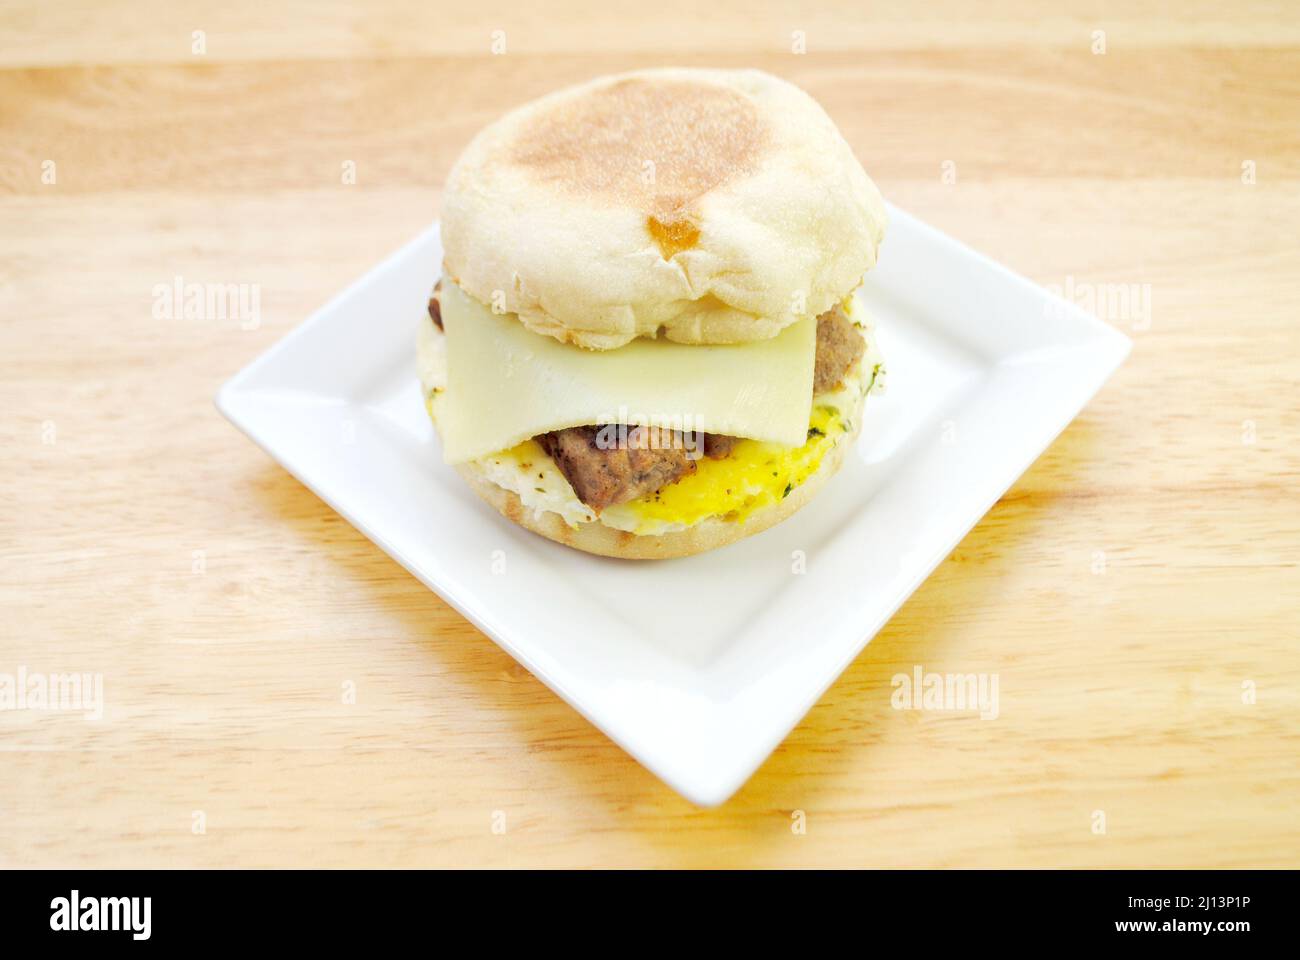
column 1137, row 591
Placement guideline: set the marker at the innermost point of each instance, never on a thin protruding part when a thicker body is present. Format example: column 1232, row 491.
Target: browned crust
column 697, row 135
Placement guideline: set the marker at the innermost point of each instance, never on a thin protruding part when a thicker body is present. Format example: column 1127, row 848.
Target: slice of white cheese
column 506, row 383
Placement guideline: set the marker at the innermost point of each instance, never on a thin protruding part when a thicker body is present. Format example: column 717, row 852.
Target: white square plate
column 697, row 667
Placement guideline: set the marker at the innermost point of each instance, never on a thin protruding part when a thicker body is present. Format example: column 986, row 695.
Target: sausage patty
column 608, row 471
column 604, row 473
column 839, row 347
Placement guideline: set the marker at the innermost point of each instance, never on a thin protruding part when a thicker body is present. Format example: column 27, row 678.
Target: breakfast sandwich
column 644, row 343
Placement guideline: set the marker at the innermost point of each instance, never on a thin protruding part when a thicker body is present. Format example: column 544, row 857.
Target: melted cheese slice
column 506, row 383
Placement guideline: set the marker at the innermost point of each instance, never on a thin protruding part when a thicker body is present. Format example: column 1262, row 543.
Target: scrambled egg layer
column 533, row 476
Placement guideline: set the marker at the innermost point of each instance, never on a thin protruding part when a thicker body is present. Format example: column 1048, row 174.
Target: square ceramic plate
column 697, row 667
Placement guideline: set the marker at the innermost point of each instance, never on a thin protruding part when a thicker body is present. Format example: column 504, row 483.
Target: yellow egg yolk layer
column 751, row 476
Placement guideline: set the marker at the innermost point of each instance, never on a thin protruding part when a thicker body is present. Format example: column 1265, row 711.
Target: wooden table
column 1137, row 591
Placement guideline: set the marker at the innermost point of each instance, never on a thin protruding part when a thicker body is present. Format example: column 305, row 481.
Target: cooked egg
column 527, row 470
column 752, row 476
